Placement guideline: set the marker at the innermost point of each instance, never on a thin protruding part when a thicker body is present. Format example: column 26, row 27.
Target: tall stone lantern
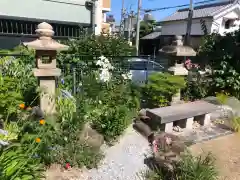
column 176, row 53
column 46, row 66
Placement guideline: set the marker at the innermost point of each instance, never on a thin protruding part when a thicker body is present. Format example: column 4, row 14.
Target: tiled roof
column 152, row 35
column 206, row 10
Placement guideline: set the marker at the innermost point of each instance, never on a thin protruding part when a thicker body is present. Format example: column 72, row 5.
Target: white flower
column 104, row 75
column 127, row 76
column 104, row 63
column 102, row 58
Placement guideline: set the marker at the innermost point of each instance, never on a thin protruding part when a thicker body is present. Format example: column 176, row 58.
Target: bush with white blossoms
column 127, row 76
column 105, row 68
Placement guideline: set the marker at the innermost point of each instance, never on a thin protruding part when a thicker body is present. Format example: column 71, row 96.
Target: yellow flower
column 42, row 122
column 22, row 106
column 38, row 140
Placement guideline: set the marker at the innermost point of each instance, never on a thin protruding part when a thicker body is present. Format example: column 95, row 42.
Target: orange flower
column 22, row 106
column 42, row 122
column 38, row 140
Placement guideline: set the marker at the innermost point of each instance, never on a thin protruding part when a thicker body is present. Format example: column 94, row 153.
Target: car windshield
column 138, row 65
column 145, row 65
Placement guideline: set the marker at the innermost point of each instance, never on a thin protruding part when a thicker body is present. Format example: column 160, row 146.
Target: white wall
column 180, row 27
column 219, row 20
column 98, row 17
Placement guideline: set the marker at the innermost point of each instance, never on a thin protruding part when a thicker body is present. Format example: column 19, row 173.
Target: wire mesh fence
column 76, row 67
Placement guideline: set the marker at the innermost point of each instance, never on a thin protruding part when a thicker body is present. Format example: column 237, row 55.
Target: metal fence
column 74, row 72
column 73, row 66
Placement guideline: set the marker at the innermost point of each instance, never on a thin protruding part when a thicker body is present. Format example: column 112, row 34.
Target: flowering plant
column 191, row 66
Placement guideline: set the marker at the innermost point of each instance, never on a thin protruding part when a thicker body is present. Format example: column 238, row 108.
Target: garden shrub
column 10, row 97
column 16, row 164
column 21, row 71
column 197, row 85
column 222, row 54
column 113, row 107
column 189, row 168
column 55, row 139
column 160, row 89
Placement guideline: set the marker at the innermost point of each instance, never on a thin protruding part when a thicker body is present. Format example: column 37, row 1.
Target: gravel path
column 125, row 160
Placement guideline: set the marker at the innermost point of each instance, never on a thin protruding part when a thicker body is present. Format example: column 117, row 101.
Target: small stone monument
column 176, row 53
column 46, row 66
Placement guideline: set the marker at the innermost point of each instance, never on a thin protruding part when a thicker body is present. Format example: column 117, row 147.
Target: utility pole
column 189, row 24
column 130, row 16
column 138, row 26
column 93, row 16
column 122, row 19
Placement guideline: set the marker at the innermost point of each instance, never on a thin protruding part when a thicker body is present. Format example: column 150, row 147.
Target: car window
column 152, row 66
column 138, row 65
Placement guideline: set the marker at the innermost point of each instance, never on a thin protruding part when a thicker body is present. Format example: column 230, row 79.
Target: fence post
column 74, row 81
column 149, row 59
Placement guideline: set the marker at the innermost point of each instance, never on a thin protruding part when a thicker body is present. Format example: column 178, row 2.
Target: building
column 18, row 19
column 218, row 17
column 102, row 8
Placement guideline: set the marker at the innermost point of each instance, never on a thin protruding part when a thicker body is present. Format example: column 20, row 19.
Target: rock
column 196, row 125
column 224, row 112
column 178, row 147
column 142, row 112
column 143, row 129
column 91, row 137
column 212, row 100
column 177, row 129
column 234, row 104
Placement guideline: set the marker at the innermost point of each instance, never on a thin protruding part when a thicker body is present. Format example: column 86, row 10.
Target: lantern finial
column 44, row 31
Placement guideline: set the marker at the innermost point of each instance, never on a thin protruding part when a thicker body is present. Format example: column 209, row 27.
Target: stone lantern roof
column 178, row 49
column 45, row 42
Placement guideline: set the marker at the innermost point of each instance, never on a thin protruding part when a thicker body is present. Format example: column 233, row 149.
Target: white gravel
column 124, row 160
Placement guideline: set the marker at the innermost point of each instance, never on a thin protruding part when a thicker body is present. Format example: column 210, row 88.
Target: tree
column 146, row 27
column 222, row 54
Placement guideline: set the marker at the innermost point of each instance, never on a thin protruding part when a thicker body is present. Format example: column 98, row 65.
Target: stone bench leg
column 189, row 123
column 168, row 127
column 206, row 120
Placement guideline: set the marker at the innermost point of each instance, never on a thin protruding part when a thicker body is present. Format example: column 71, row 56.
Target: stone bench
column 182, row 115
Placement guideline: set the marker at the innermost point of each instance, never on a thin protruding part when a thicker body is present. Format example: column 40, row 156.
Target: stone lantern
column 176, row 54
column 46, row 66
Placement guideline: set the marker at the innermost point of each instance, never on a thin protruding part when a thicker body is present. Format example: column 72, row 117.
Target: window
column 138, row 65
column 229, row 23
column 29, row 27
column 152, row 66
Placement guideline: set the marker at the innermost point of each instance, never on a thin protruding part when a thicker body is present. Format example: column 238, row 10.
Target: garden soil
column 226, row 150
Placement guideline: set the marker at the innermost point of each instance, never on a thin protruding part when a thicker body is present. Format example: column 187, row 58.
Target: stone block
column 91, row 137
column 168, row 127
column 189, row 123
column 207, row 119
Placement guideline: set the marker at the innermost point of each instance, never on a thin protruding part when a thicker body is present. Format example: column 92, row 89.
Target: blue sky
column 146, row 4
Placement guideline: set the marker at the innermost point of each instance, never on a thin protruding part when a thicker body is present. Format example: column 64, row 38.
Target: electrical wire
column 178, row 6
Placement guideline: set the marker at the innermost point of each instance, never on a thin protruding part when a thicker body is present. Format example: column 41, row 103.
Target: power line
column 178, row 6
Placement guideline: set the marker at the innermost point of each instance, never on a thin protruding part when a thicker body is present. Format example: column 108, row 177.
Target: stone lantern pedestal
column 46, row 66
column 176, row 53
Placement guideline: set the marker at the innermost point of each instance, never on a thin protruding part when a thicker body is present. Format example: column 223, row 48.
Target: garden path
column 124, row 160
